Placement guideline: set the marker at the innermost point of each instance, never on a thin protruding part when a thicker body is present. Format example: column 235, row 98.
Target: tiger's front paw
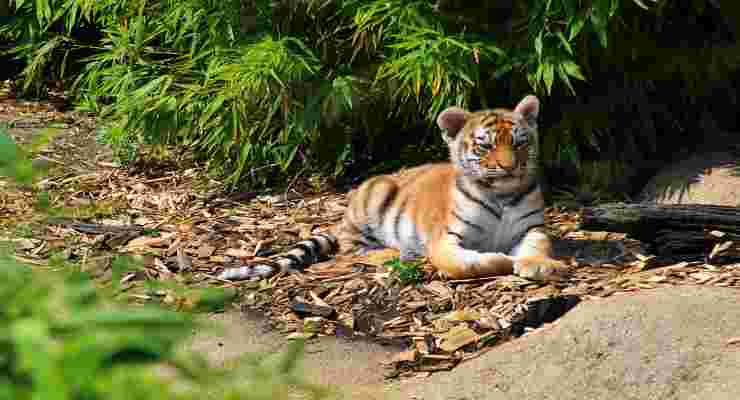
column 541, row 269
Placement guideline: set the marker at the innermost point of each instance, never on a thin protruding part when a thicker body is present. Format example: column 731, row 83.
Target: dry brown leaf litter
column 199, row 232
column 442, row 322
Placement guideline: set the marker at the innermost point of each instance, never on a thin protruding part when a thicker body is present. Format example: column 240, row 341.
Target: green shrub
column 282, row 85
column 263, row 93
column 61, row 338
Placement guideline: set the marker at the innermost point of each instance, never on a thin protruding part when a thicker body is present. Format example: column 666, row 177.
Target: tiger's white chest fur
column 491, row 222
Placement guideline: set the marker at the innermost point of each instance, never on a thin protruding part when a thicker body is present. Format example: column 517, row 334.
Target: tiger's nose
column 505, row 158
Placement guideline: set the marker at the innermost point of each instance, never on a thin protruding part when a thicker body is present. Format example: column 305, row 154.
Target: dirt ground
column 353, row 368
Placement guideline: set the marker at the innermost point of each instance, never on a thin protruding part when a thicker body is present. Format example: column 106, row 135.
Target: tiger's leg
column 456, row 262
column 533, row 258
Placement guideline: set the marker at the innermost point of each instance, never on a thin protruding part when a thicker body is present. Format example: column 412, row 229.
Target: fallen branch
column 686, row 229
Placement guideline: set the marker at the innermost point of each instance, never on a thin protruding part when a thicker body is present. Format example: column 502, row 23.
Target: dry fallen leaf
column 462, row 315
column 457, row 337
column 143, row 242
column 404, row 356
column 205, row 251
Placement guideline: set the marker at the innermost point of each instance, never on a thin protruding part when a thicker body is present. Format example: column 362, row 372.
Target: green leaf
column 538, row 45
column 564, row 77
column 576, row 24
column 71, row 20
column 548, row 76
column 42, row 201
column 600, row 20
column 573, row 69
column 212, row 108
column 8, row 153
column 614, row 7
column 565, row 42
column 640, row 4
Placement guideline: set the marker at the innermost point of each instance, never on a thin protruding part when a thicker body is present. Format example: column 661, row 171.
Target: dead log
column 671, row 230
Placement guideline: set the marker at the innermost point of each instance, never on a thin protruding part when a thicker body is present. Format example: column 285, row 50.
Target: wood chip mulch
column 185, row 230
column 188, row 237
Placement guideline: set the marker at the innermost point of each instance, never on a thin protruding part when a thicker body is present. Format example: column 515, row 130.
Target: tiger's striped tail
column 298, row 258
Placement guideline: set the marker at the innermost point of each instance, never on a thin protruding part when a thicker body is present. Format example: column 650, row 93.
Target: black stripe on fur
column 296, row 262
column 456, row 235
column 531, row 213
column 309, row 249
column 468, row 223
column 333, row 242
column 390, row 196
column 519, row 196
column 461, row 188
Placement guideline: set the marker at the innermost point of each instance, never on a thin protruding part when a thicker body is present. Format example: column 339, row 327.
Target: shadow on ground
column 709, row 175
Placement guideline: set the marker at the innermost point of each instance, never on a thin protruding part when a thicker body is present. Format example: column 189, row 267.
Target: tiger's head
column 495, row 145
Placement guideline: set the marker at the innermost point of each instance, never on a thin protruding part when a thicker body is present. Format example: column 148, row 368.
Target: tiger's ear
column 451, row 121
column 529, row 108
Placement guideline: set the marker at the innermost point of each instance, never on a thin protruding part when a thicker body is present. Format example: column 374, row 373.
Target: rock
column 662, row 343
column 709, row 176
column 303, row 309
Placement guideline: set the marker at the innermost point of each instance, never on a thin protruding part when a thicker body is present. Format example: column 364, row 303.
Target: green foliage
column 267, row 93
column 15, row 161
column 261, row 88
column 11, row 164
column 430, row 64
column 61, row 338
column 406, row 271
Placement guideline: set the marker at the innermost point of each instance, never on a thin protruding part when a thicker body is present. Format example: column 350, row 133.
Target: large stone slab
column 660, row 344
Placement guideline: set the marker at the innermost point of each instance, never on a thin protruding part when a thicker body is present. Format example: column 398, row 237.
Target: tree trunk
column 672, row 230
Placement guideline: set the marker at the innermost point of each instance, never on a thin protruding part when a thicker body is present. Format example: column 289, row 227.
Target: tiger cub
column 480, row 214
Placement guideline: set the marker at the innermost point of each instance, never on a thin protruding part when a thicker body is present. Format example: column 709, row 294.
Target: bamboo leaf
column 213, row 107
column 614, row 7
column 641, row 4
column 565, row 42
column 548, row 76
column 564, row 77
column 573, row 69
column 538, row 45
column 576, row 24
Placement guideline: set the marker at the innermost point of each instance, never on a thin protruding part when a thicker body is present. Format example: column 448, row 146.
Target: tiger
column 479, row 214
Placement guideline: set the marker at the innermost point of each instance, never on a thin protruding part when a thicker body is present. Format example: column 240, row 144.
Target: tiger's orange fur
column 480, row 214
